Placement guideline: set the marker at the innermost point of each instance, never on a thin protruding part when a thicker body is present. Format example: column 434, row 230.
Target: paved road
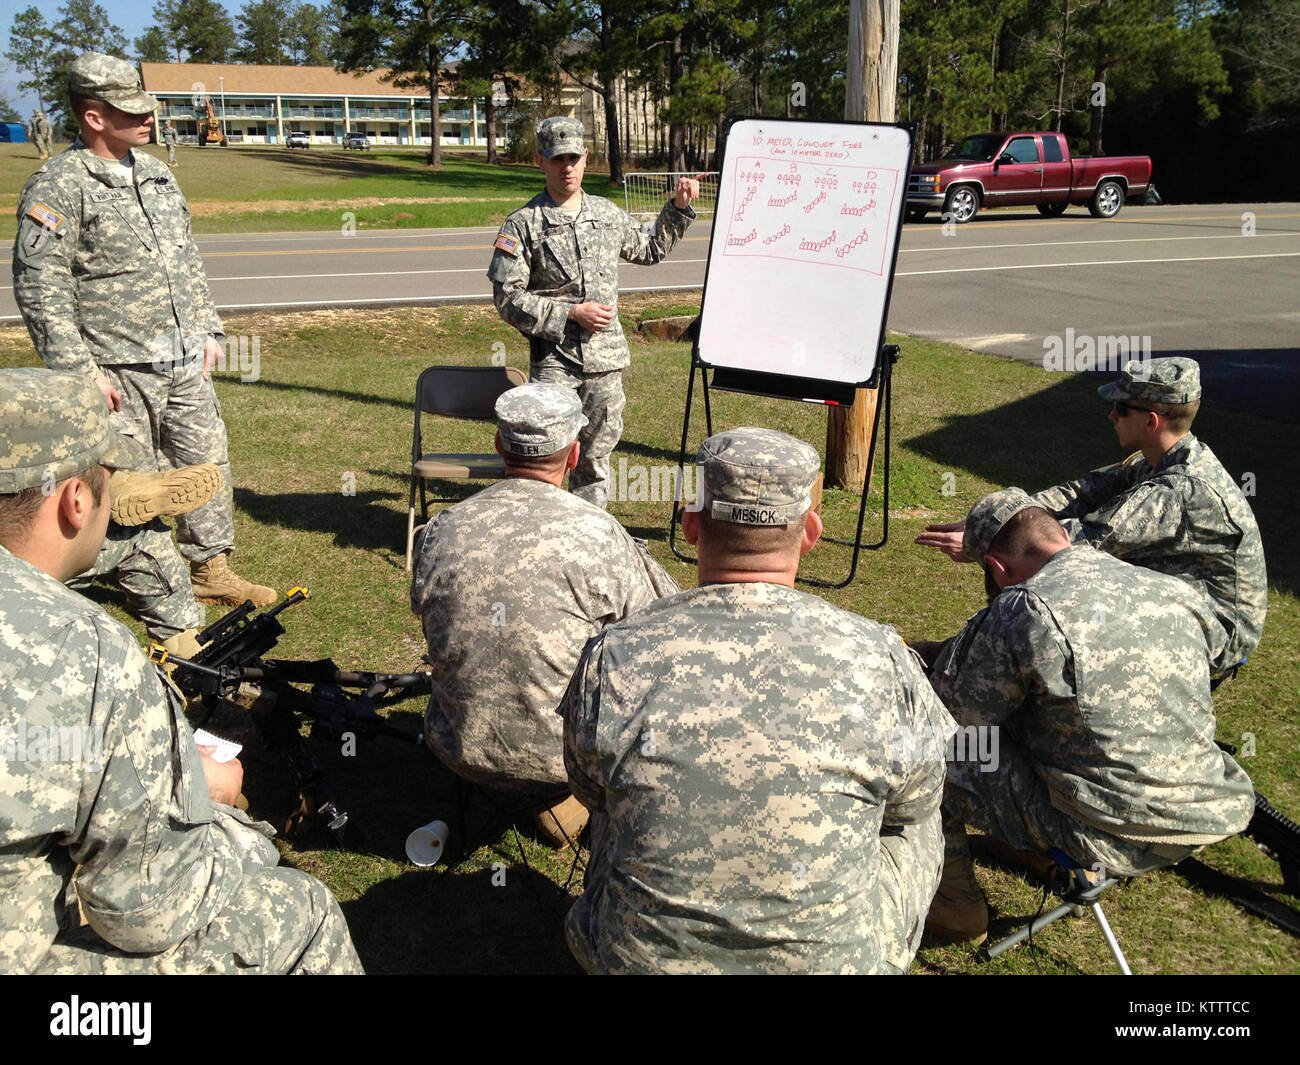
column 1188, row 278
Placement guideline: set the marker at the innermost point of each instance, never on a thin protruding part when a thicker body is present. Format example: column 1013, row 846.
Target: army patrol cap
column 53, row 425
column 1174, row 380
column 987, row 517
column 752, row 476
column 560, row 136
column 96, row 76
column 539, row 418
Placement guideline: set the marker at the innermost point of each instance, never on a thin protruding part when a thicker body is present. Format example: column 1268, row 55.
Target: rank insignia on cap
column 506, row 244
column 46, row 216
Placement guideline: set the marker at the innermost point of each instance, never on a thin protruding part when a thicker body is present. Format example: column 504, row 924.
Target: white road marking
column 1067, row 243
column 1099, row 262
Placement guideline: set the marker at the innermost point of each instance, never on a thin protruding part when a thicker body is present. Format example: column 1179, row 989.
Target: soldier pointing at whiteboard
column 554, row 274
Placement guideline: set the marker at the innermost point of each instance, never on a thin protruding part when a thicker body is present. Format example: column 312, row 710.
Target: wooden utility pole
column 871, row 96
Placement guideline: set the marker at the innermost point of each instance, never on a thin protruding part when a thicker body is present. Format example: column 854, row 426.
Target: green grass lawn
column 271, row 189
column 320, row 449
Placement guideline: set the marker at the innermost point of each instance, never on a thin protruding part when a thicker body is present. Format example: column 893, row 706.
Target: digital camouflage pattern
column 545, row 261
column 559, row 136
column 53, row 425
column 1175, row 380
column 1185, row 516
column 174, row 413
column 143, row 561
column 538, row 419
column 98, row 76
column 755, row 476
column 987, row 517
column 1096, row 674
column 93, row 239
column 746, row 744
column 166, row 880
column 509, row 585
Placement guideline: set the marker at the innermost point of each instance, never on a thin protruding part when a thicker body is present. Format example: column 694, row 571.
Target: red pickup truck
column 1007, row 169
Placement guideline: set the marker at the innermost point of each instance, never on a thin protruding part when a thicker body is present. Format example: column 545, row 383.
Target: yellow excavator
column 209, row 128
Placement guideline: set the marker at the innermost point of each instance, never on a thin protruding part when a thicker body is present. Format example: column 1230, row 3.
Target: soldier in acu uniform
column 1095, row 674
column 44, row 135
column 509, row 585
column 767, row 768
column 120, row 851
column 169, row 138
column 110, row 285
column 554, row 276
column 1170, row 507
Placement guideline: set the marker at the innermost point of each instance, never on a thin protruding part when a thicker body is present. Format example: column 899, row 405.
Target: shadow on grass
column 1062, row 433
column 462, row 922
column 360, row 520
column 338, row 393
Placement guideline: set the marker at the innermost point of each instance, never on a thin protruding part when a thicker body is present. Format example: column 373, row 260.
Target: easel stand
column 889, row 354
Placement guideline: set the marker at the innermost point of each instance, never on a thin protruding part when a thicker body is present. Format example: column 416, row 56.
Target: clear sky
column 132, row 17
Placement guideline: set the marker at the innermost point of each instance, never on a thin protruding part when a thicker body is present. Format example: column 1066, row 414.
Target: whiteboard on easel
column 804, row 243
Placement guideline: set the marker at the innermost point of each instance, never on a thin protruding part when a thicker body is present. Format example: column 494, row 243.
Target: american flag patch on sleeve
column 506, row 244
column 46, row 216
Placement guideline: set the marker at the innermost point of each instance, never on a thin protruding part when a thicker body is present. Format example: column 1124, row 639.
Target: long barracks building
column 263, row 104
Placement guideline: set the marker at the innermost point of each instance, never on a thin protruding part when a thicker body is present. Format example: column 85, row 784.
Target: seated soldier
column 745, row 746
column 1172, row 508
column 1095, row 675
column 509, row 585
column 119, row 849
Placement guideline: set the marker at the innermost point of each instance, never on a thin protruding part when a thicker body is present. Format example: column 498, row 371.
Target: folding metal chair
column 454, row 392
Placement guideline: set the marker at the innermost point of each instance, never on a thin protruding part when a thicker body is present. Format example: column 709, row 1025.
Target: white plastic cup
column 424, row 845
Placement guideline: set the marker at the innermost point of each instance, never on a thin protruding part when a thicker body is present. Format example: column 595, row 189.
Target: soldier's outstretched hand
column 947, row 538
column 688, row 190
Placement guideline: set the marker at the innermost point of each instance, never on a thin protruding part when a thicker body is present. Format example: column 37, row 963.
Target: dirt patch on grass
column 206, row 208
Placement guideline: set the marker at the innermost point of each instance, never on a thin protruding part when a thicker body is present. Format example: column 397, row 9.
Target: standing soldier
column 554, row 276
column 110, row 285
column 31, row 131
column 169, row 139
column 44, row 135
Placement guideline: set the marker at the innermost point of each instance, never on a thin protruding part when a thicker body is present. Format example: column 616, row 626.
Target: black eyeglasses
column 1122, row 408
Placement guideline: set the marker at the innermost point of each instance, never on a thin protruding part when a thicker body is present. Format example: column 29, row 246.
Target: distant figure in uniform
column 509, row 585
column 1171, row 507
column 120, row 848
column 1094, row 677
column 554, row 276
column 764, row 770
column 111, row 285
column 31, row 133
column 44, row 135
column 169, row 138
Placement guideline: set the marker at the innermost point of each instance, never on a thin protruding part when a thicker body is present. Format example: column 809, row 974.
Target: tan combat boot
column 215, row 582
column 959, row 912
column 136, row 498
column 562, row 823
